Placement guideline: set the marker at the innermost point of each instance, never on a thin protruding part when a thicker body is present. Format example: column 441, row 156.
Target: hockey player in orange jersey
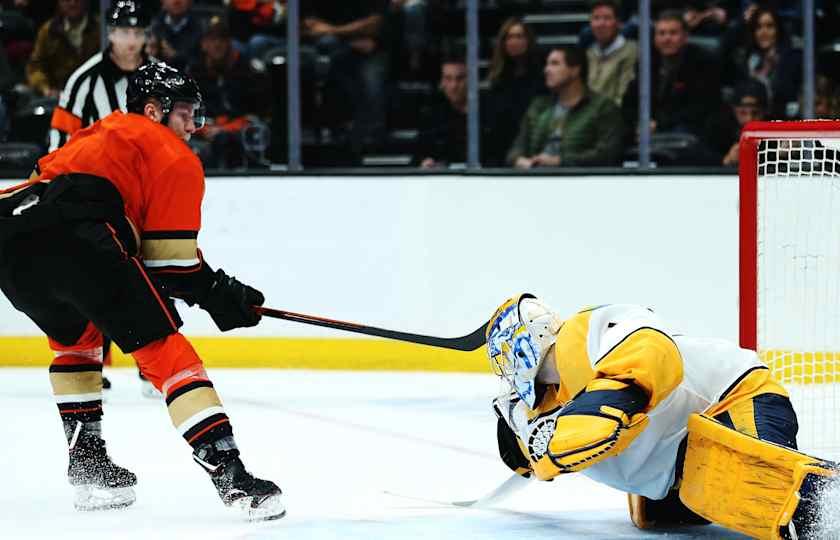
column 98, row 242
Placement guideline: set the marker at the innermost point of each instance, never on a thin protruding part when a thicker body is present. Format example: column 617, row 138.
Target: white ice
column 364, row 455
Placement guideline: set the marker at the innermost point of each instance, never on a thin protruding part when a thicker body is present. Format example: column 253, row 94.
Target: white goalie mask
column 519, row 336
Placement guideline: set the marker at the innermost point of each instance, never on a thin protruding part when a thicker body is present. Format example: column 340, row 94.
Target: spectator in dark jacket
column 515, row 78
column 233, row 97
column 176, row 34
column 350, row 32
column 723, row 130
column 767, row 57
column 685, row 87
column 443, row 128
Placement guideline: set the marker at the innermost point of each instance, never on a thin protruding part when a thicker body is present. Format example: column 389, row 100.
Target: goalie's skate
column 99, row 483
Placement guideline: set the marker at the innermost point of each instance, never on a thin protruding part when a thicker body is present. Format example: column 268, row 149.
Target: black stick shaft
column 470, row 342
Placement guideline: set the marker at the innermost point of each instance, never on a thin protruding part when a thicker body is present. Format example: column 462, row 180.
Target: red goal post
column 789, row 265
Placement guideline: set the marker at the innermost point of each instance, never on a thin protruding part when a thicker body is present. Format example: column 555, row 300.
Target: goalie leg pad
column 738, row 481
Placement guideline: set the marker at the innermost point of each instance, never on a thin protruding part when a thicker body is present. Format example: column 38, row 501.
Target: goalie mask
column 519, row 336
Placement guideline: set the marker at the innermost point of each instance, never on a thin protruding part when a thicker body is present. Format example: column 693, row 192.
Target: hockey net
column 790, row 267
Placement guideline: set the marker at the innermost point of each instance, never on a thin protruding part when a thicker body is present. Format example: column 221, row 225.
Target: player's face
column 453, row 82
column 604, row 25
column 127, row 41
column 516, row 42
column 765, row 32
column 182, row 120
column 669, row 37
column 557, row 73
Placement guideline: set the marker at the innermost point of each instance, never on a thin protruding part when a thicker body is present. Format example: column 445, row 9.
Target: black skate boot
column 99, row 483
column 256, row 498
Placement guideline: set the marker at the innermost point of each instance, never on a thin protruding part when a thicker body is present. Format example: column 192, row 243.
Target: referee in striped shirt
column 97, row 87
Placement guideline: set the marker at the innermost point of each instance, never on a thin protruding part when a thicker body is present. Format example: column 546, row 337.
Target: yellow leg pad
column 738, row 481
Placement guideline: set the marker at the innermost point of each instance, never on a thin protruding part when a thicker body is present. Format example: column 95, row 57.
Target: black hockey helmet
column 165, row 84
column 126, row 13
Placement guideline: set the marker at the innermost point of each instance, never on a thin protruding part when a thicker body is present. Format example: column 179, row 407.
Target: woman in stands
column 515, row 78
column 768, row 57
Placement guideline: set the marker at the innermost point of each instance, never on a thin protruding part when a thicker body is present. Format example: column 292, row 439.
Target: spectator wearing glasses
column 724, row 130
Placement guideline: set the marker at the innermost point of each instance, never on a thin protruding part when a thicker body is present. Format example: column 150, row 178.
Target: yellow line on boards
column 293, row 353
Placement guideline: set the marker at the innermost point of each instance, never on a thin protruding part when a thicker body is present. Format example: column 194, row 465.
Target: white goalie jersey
column 710, row 368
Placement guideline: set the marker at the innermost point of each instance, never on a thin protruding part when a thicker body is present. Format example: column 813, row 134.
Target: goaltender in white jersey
column 613, row 393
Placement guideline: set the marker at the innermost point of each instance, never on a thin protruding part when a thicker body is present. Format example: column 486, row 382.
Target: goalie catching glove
column 600, row 422
column 230, row 302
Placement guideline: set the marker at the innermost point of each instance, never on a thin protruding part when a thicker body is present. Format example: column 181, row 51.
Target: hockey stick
column 470, row 342
column 504, row 490
column 507, row 488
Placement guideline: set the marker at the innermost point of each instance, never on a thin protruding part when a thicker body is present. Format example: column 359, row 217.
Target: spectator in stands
column 707, row 17
column 350, row 33
column 724, row 130
column 233, row 96
column 259, row 24
column 443, row 129
column 414, row 35
column 685, row 87
column 176, row 34
column 767, row 57
column 97, row 87
column 515, row 78
column 826, row 99
column 574, row 126
column 612, row 58
column 62, row 44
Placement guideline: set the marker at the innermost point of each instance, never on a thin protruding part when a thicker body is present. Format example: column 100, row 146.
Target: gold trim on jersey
column 170, row 252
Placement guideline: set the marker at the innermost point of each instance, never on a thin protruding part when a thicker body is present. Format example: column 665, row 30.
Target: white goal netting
column 799, row 281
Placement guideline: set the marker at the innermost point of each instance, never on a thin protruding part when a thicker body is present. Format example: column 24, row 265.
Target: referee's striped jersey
column 95, row 90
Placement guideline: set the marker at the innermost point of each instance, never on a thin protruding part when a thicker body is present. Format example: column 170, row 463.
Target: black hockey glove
column 229, row 302
column 510, row 451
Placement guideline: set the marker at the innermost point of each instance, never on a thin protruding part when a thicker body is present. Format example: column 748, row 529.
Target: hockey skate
column 99, row 483
column 255, row 498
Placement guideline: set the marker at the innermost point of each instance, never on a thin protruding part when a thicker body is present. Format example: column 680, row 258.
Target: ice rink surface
column 359, row 455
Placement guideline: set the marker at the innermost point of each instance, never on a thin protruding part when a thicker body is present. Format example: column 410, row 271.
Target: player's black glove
column 510, row 451
column 229, row 302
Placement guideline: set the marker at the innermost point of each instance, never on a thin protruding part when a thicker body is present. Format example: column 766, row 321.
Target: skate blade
column 92, row 498
column 271, row 508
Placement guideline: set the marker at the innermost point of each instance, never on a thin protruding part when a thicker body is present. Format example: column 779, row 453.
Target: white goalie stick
column 506, row 489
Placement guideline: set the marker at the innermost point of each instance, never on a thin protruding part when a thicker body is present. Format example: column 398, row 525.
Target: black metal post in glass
column 473, row 129
column 808, row 69
column 644, row 84
column 293, row 83
column 104, row 6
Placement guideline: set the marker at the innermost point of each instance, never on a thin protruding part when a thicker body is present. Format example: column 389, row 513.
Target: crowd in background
column 385, row 81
